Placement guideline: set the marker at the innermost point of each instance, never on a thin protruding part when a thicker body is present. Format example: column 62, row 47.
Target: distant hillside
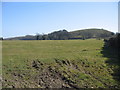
column 91, row 33
column 27, row 37
column 65, row 35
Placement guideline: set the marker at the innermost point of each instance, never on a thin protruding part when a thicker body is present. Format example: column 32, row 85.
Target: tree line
column 57, row 35
column 114, row 44
column 65, row 35
column 80, row 34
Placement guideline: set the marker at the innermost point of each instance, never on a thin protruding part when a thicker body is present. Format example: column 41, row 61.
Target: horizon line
column 57, row 30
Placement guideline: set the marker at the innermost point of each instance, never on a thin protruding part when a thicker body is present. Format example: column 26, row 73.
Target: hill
column 65, row 35
column 27, row 37
column 91, row 33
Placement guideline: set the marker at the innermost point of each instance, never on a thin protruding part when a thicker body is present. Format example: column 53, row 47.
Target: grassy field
column 80, row 63
column 15, row 53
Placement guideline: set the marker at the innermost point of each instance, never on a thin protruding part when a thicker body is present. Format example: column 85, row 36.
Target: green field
column 79, row 63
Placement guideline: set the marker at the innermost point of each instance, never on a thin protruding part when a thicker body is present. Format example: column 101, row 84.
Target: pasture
column 79, row 61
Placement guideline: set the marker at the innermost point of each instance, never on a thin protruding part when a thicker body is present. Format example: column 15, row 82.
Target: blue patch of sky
column 27, row 18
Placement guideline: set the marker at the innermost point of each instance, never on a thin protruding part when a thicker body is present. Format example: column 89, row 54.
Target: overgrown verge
column 111, row 50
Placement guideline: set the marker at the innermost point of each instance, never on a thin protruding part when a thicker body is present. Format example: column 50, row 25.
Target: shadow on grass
column 113, row 61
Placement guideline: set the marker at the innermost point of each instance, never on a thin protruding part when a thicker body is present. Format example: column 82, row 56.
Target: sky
column 29, row 18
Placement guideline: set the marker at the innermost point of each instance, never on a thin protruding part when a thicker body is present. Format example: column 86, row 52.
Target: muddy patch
column 60, row 74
